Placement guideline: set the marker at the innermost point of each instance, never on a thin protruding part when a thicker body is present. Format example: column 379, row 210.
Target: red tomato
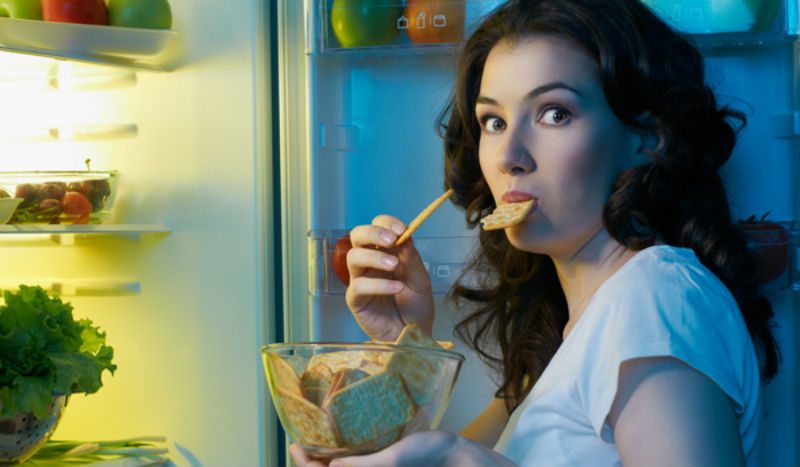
column 770, row 242
column 340, row 249
column 75, row 11
column 76, row 207
column 435, row 21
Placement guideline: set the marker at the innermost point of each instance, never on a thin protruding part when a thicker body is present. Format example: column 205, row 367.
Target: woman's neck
column 582, row 273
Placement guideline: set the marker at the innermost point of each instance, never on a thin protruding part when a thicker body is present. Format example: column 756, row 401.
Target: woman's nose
column 513, row 156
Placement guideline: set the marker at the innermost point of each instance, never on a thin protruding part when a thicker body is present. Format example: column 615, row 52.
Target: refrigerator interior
column 185, row 293
column 365, row 121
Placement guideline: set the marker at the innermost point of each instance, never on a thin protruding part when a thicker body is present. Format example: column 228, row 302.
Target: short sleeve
column 673, row 310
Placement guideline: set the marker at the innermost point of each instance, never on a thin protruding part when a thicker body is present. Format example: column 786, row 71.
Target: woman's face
column 548, row 133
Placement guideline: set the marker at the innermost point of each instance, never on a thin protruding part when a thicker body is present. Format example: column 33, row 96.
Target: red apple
column 75, row 11
column 340, row 249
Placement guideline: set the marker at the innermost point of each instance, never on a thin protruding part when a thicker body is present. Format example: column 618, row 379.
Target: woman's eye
column 492, row 124
column 555, row 116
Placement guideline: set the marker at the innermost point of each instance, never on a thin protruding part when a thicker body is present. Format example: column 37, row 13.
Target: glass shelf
column 81, row 287
column 444, row 258
column 66, row 234
column 148, row 49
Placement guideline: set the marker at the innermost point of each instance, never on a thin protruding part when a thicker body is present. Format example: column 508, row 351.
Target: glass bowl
column 22, row 435
column 60, row 197
column 343, row 399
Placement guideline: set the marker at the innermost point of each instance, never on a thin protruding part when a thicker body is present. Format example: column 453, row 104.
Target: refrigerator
column 248, row 140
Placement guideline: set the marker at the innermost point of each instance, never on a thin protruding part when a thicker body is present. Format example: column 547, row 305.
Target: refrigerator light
column 94, row 132
column 69, row 76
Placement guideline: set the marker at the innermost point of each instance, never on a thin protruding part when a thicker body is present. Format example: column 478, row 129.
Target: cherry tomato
column 76, row 207
column 340, row 249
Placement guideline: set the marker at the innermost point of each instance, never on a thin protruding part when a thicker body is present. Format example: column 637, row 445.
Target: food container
column 23, row 435
column 336, row 399
column 60, row 197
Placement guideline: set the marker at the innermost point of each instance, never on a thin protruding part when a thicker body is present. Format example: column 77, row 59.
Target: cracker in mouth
column 507, row 215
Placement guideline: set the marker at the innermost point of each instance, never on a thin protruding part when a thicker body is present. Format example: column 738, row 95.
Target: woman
column 623, row 313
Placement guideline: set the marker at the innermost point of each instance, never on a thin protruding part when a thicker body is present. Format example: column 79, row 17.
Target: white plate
column 83, row 39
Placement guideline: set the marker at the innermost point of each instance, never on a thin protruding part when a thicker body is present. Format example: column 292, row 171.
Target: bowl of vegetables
column 342, row 399
column 60, row 197
column 47, row 355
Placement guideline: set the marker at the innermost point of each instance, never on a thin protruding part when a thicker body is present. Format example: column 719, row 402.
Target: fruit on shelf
column 147, row 14
column 21, row 9
column 75, row 11
column 770, row 242
column 361, row 23
column 340, row 249
column 60, row 197
column 435, row 21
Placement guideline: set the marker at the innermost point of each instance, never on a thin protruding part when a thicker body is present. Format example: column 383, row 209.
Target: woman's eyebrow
column 534, row 93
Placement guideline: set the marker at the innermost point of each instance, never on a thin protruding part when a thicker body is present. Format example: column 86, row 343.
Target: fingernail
column 390, row 261
column 394, row 286
column 387, row 237
column 398, row 228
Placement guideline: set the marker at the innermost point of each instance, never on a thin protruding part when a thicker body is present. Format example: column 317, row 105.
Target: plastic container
column 60, row 197
column 336, row 399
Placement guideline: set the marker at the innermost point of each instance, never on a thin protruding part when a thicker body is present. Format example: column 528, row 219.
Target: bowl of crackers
column 343, row 399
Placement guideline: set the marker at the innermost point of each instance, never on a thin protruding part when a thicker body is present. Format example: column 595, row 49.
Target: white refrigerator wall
column 187, row 345
column 364, row 123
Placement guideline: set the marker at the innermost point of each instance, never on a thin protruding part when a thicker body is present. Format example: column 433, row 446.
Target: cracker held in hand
column 507, row 215
column 420, row 374
column 307, row 422
column 370, row 408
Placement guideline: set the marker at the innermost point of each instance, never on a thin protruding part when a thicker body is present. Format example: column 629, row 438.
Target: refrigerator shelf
column 444, row 259
column 81, row 287
column 65, row 234
column 147, row 49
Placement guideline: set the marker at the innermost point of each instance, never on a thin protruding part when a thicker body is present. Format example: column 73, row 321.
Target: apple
column 75, row 11
column 147, row 14
column 21, row 9
column 360, row 23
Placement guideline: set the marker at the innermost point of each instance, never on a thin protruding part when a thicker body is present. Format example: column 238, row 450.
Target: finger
column 362, row 289
column 366, row 236
column 390, row 222
column 360, row 260
column 301, row 459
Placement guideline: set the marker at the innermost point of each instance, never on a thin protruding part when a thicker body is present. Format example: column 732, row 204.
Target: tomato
column 359, row 23
column 76, row 207
column 340, row 249
column 435, row 21
column 770, row 242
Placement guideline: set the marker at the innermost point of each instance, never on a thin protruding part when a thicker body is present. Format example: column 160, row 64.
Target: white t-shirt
column 662, row 302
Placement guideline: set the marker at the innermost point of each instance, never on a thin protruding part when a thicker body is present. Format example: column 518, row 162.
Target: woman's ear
column 651, row 138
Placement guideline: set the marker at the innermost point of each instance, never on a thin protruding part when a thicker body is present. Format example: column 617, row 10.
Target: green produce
column 359, row 23
column 148, row 14
column 21, row 9
column 45, row 352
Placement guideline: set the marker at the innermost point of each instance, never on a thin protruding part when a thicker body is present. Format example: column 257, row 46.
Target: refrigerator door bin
column 775, row 244
column 719, row 17
column 444, row 258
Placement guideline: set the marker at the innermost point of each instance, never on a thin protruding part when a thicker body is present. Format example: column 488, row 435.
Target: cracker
column 419, row 374
column 369, row 361
column 507, row 215
column 343, row 378
column 369, row 409
column 282, row 374
column 306, row 422
column 315, row 382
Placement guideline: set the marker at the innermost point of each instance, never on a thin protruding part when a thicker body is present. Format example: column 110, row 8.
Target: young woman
column 623, row 314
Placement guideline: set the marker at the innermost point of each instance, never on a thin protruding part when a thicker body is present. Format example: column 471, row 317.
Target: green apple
column 359, row 23
column 148, row 14
column 21, row 9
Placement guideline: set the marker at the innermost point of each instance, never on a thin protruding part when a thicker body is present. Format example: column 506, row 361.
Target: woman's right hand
column 389, row 286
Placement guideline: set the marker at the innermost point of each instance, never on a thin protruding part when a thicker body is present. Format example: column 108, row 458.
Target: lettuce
column 45, row 352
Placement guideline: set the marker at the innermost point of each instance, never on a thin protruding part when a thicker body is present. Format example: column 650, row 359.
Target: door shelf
column 147, row 49
column 66, row 234
column 394, row 27
column 444, row 259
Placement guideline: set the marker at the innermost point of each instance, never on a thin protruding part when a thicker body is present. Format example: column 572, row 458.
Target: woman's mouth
column 516, row 197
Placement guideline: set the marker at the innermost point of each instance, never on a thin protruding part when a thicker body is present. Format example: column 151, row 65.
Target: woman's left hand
column 428, row 448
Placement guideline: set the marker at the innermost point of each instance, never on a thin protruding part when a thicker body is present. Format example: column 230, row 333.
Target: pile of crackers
column 359, row 401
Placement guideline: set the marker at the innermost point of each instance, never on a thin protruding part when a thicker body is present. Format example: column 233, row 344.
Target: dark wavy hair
column 518, row 306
